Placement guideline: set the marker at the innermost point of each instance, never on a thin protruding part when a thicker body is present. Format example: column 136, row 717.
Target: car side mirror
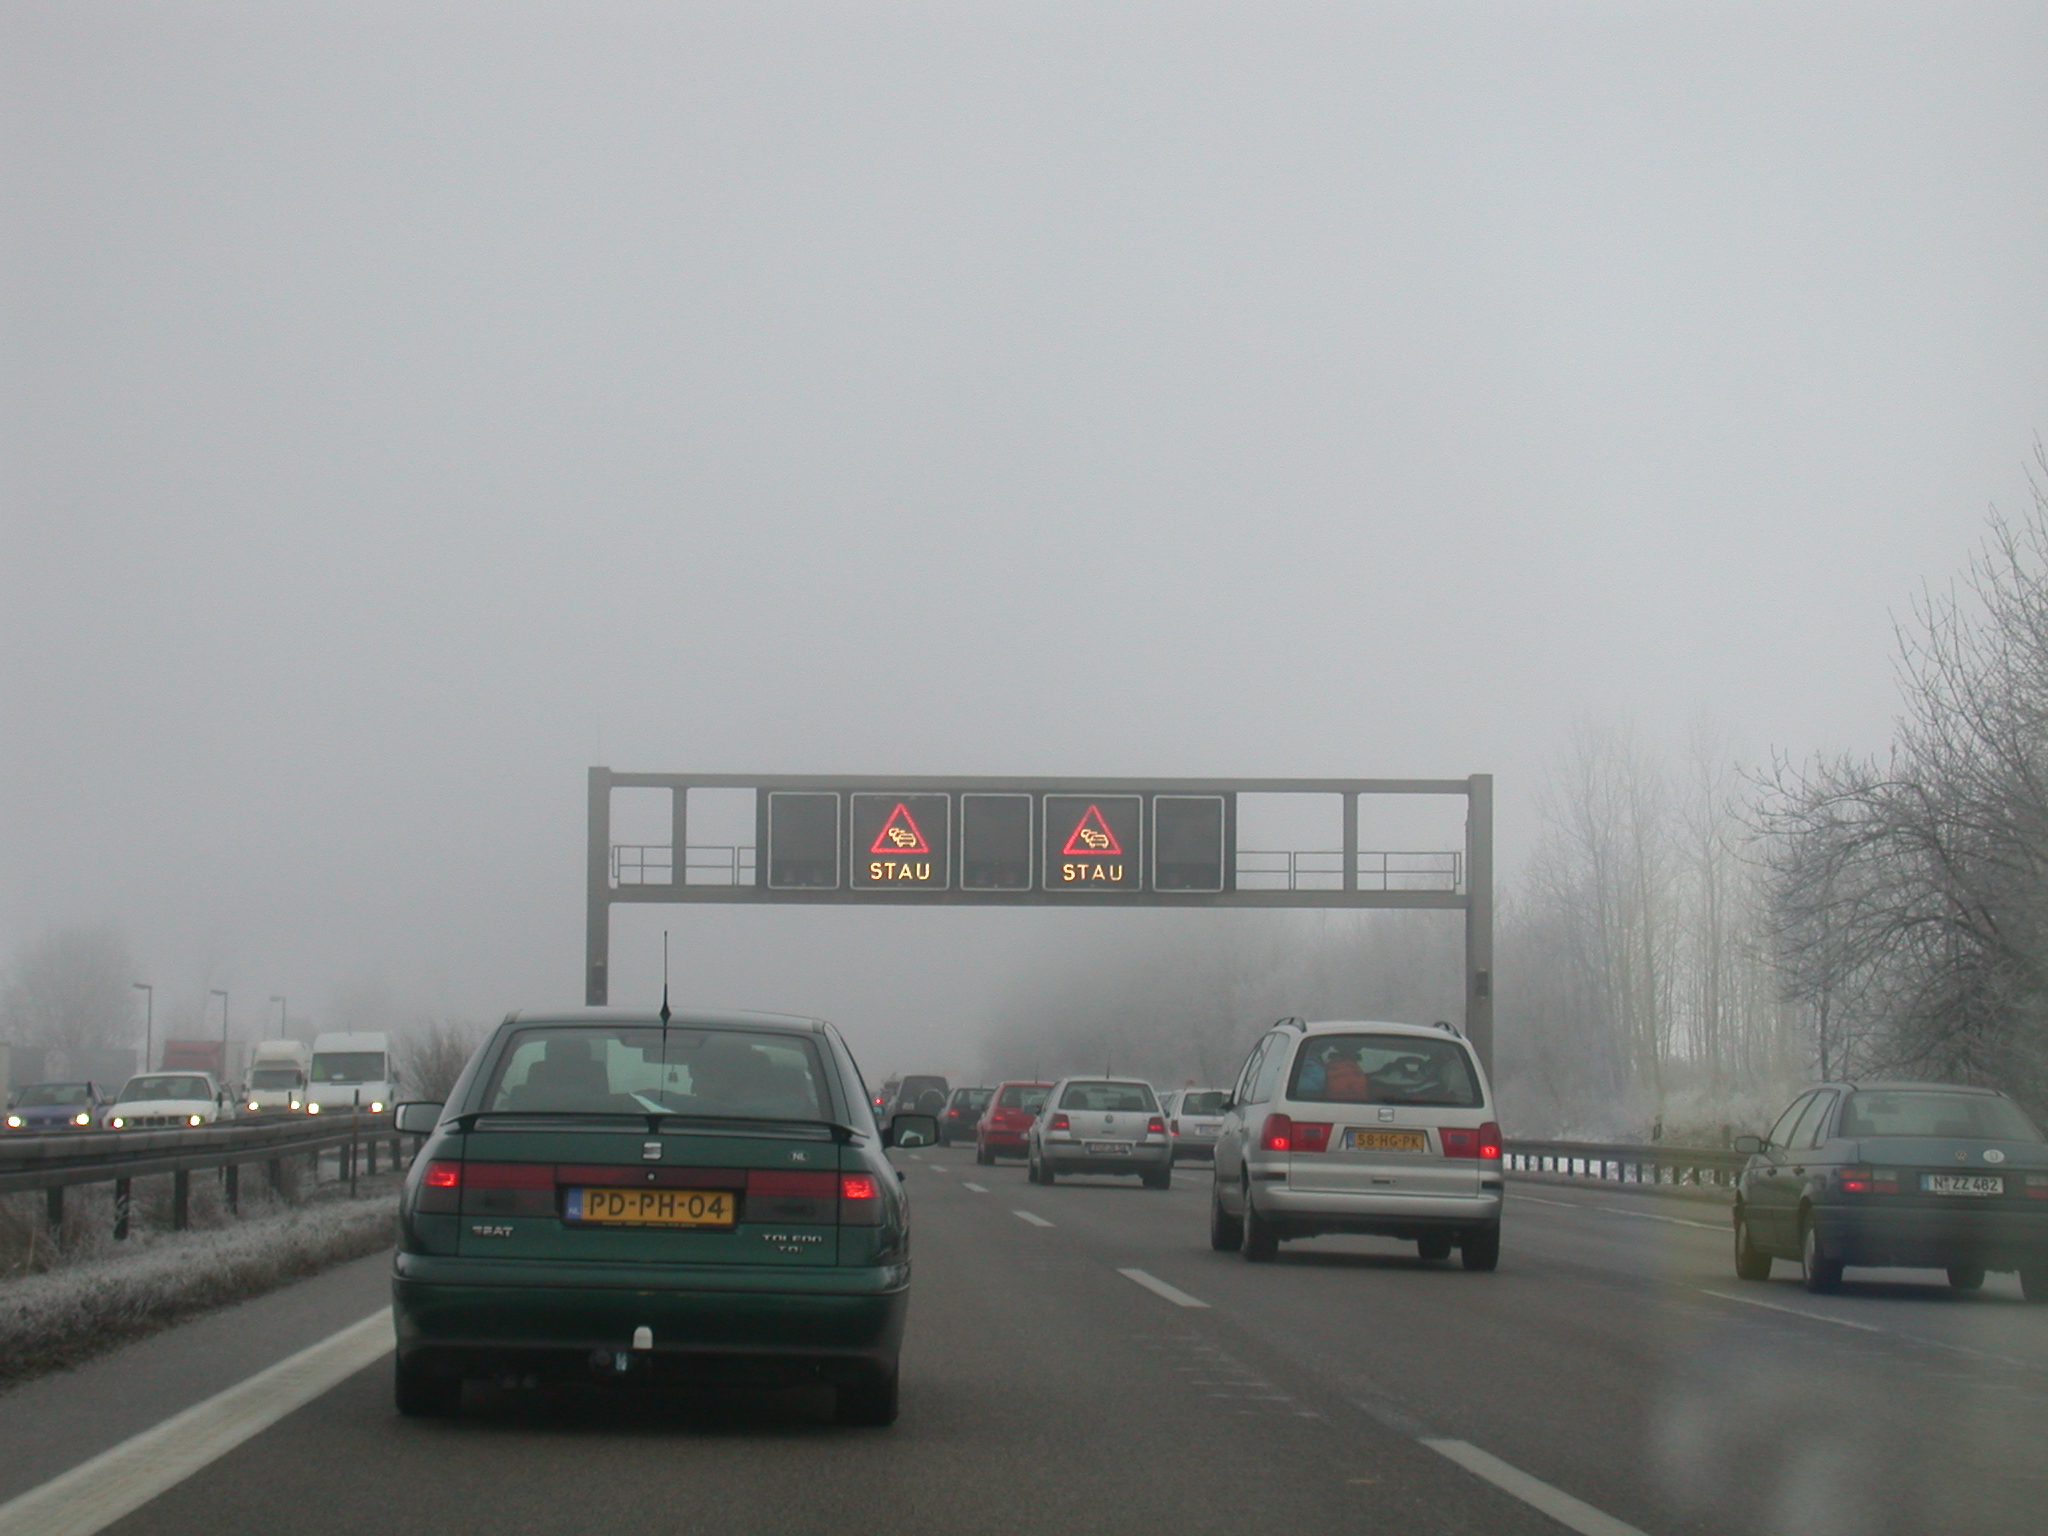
column 1226, row 1106
column 1749, row 1144
column 910, row 1131
column 416, row 1118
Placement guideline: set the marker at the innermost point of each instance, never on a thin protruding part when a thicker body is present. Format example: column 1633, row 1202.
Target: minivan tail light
column 1310, row 1136
column 1489, row 1143
column 1277, row 1134
column 1458, row 1141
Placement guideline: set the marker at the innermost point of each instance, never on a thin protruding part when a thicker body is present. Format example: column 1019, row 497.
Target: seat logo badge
column 1993, row 1155
column 1386, row 1114
column 650, row 1151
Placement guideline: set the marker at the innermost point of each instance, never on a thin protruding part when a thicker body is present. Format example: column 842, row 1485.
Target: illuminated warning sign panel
column 900, row 842
column 1092, row 843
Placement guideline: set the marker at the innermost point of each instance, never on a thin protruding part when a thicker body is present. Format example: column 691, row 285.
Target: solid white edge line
column 1573, row 1514
column 1158, row 1287
column 1622, row 1210
column 118, row 1481
column 1036, row 1221
column 978, row 1189
column 1812, row 1317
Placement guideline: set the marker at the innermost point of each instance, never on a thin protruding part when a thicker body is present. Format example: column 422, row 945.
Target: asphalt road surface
column 1078, row 1360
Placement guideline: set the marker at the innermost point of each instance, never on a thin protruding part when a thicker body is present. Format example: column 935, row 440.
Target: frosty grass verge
column 56, row 1319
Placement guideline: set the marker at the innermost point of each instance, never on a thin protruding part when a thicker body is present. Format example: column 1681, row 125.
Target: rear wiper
column 676, row 1119
column 468, row 1121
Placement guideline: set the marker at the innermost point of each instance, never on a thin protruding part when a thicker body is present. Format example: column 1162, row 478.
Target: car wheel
column 1751, row 1262
column 1226, row 1232
column 424, row 1393
column 1433, row 1247
column 1480, row 1251
column 1820, row 1274
column 870, row 1402
column 1261, row 1239
column 2034, row 1282
column 1163, row 1179
column 1966, row 1277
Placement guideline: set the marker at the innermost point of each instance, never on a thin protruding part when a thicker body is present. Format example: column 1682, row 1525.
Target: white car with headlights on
column 158, row 1101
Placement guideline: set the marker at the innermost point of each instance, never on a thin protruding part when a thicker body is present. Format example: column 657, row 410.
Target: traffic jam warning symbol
column 900, row 842
column 1092, row 843
column 899, row 834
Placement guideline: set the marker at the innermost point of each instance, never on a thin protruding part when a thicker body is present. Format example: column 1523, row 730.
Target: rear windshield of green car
column 1018, row 1096
column 630, row 1070
column 1965, row 1116
column 1135, row 1097
column 1384, row 1069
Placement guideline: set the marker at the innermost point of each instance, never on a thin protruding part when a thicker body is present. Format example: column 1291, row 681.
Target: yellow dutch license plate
column 654, row 1207
column 1359, row 1140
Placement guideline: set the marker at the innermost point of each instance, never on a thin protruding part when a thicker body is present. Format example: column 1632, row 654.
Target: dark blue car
column 56, row 1107
column 1908, row 1175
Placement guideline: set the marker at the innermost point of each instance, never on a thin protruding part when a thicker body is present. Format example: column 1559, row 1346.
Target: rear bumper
column 1920, row 1237
column 1309, row 1212
column 1074, row 1157
column 733, row 1322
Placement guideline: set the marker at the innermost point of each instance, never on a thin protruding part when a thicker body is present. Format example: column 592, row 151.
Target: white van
column 278, row 1076
column 349, row 1070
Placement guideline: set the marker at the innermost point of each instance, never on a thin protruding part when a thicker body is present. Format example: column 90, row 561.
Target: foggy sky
column 410, row 406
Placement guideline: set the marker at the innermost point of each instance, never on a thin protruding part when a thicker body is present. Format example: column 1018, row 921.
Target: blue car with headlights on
column 56, row 1107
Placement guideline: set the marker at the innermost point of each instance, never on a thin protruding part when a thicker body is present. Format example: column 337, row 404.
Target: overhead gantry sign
column 1035, row 842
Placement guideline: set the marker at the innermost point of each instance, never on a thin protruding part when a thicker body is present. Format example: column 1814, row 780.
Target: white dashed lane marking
column 975, row 1187
column 1573, row 1514
column 1036, row 1221
column 1616, row 1210
column 1158, row 1287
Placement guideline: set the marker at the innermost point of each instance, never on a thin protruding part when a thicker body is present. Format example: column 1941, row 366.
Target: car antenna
column 664, row 998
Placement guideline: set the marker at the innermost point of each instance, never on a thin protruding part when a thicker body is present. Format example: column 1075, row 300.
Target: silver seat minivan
column 1386, row 1130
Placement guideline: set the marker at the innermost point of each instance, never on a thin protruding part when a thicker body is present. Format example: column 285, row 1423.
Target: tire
column 1966, row 1277
column 1480, row 1251
column 1751, row 1262
column 1433, row 1248
column 423, row 1393
column 1160, row 1180
column 869, row 1403
column 1821, row 1275
column 1030, row 1167
column 2034, row 1282
column 1226, row 1232
column 1261, row 1239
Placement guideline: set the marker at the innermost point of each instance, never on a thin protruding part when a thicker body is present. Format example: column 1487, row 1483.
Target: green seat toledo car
column 697, row 1201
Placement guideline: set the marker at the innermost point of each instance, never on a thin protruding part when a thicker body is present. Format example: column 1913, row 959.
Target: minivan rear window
column 1021, row 1096
column 1135, row 1097
column 630, row 1070
column 1384, row 1069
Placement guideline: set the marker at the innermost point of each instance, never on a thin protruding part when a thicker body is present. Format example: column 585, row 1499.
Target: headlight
column 254, row 1105
column 312, row 1109
column 14, row 1122
column 117, row 1122
column 376, row 1106
column 81, row 1118
column 195, row 1119
column 295, row 1103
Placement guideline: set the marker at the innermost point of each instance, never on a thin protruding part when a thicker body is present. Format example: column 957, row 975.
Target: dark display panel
column 1188, row 849
column 995, row 842
column 803, row 841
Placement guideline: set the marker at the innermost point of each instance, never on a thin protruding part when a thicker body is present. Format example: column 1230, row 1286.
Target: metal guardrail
column 59, row 1161
column 1656, row 1163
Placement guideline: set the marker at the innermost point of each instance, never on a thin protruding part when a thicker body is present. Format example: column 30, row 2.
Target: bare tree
column 433, row 1056
column 72, row 990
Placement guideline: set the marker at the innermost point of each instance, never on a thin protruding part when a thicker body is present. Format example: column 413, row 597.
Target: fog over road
column 1078, row 1353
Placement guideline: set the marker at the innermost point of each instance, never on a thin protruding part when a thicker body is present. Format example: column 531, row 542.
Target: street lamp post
column 149, row 1020
column 284, row 1011
column 216, row 992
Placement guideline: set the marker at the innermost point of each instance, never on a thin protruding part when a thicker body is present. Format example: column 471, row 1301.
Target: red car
column 1006, row 1123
